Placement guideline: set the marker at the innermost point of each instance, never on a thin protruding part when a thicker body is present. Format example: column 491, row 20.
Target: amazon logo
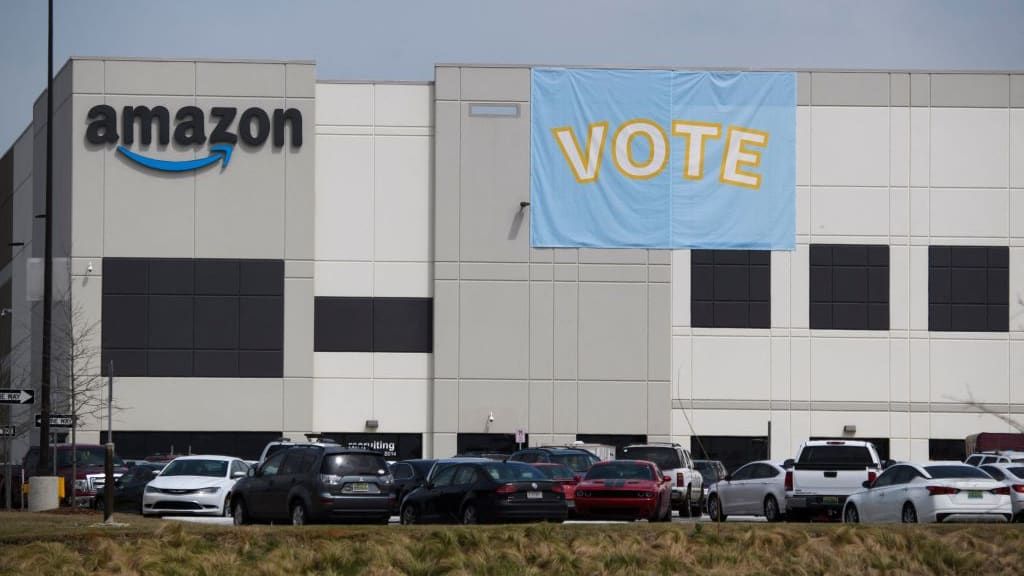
column 255, row 126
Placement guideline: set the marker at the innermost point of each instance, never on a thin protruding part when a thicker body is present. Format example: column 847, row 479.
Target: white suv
column 674, row 461
column 995, row 457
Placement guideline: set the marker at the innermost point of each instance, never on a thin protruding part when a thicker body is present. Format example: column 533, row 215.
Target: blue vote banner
column 663, row 159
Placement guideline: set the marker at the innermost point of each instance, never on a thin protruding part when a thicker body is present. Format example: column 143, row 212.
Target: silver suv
column 674, row 461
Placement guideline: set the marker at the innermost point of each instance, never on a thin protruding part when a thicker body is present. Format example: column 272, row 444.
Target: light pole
column 44, row 388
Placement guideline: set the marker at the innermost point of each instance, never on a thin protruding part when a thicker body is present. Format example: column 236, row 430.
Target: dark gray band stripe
column 358, row 324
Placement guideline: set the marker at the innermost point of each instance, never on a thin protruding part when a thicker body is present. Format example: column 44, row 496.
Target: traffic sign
column 56, row 420
column 11, row 396
column 520, row 435
column 7, row 432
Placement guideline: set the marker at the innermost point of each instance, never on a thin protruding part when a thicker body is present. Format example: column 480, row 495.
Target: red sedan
column 563, row 475
column 625, row 489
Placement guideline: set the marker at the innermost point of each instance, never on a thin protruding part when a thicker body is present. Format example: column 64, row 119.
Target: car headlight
column 151, row 489
column 210, row 490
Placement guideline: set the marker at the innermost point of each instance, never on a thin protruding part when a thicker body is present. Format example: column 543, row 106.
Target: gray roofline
column 387, row 82
column 733, row 68
column 213, row 60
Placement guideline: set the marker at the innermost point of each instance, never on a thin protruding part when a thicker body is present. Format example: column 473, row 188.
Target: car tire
column 470, row 514
column 697, row 508
column 409, row 515
column 239, row 514
column 909, row 514
column 298, row 514
column 1018, row 518
column 771, row 509
column 851, row 515
column 227, row 511
column 686, row 506
column 715, row 509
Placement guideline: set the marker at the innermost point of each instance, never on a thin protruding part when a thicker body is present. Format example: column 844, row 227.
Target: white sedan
column 930, row 492
column 194, row 485
column 1012, row 476
column 755, row 489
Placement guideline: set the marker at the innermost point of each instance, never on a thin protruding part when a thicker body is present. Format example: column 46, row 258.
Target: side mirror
column 788, row 463
column 867, row 484
column 666, row 478
column 578, row 478
column 887, row 463
column 238, row 474
column 727, row 478
column 251, row 473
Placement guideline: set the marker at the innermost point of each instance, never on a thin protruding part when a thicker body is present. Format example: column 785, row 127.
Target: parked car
column 825, row 473
column 578, row 459
column 711, row 471
column 498, row 456
column 995, row 457
column 314, row 483
column 128, row 488
column 755, row 489
column 194, row 485
column 625, row 490
column 90, row 476
column 1012, row 476
column 566, row 477
column 673, row 460
column 931, row 492
column 474, row 491
column 408, row 476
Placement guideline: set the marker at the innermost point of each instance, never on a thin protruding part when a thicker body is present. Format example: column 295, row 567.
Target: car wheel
column 409, row 515
column 771, row 509
column 469, row 515
column 226, row 511
column 685, row 507
column 238, row 513
column 851, row 515
column 667, row 516
column 909, row 515
column 1019, row 517
column 697, row 508
column 715, row 509
column 299, row 517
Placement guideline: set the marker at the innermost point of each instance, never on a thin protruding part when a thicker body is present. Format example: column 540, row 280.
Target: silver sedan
column 755, row 489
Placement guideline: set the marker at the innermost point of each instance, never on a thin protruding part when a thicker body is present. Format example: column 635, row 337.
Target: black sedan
column 409, row 475
column 476, row 492
column 128, row 488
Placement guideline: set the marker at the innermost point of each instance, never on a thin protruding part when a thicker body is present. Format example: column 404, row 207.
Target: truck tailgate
column 821, row 480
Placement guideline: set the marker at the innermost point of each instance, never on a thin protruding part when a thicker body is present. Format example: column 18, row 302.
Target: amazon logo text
column 742, row 151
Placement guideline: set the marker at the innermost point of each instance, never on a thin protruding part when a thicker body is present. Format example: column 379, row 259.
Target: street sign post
column 12, row 396
column 520, row 437
column 56, row 420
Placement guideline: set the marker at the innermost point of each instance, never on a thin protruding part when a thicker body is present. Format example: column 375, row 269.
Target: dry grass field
column 32, row 544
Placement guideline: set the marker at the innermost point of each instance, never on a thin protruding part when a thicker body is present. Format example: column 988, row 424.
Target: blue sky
column 403, row 39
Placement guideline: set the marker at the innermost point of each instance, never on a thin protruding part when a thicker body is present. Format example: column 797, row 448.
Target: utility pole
column 44, row 429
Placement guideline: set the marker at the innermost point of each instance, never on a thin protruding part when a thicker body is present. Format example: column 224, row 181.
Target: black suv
column 578, row 459
column 313, row 483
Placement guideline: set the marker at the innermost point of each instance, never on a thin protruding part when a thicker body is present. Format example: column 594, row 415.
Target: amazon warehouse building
column 611, row 256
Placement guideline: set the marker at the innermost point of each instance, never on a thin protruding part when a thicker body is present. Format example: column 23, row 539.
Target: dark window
column 730, row 288
column 744, row 473
column 994, row 472
column 849, row 287
column 968, row 288
column 881, row 444
column 138, row 445
column 353, row 464
column 344, row 324
column 943, row 449
column 402, row 471
column 829, row 455
column 465, row 475
column 392, row 446
column 498, row 443
column 732, row 451
column 955, row 471
column 666, row 457
column 193, row 318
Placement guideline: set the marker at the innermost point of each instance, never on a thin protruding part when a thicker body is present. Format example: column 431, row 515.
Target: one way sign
column 17, row 396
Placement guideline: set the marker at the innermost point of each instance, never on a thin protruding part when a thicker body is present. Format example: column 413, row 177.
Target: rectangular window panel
column 139, row 444
column 943, row 449
column 732, row 451
column 166, row 317
column 849, row 287
column 968, row 288
column 355, row 324
column 730, row 288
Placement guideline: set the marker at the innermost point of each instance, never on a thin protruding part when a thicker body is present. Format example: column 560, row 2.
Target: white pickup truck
column 825, row 473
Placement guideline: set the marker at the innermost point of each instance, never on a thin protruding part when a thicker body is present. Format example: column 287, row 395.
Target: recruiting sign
column 663, row 159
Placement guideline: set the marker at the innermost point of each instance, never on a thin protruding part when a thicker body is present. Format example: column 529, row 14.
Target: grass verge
column 55, row 544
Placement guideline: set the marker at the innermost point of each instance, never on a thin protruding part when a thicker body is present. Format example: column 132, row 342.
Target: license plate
column 830, row 500
column 360, row 487
column 534, row 495
column 974, row 494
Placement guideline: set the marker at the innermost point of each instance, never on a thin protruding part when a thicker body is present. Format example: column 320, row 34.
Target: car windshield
column 620, row 471
column 212, row 468
column 557, row 472
column 86, row 456
column 422, row 467
column 708, row 471
column 851, row 455
column 512, row 472
column 956, row 471
column 578, row 461
column 666, row 458
column 275, row 449
column 354, row 464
